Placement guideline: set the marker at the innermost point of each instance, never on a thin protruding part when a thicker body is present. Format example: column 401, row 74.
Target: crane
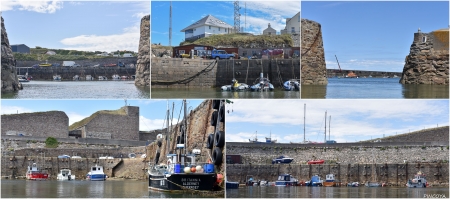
column 338, row 65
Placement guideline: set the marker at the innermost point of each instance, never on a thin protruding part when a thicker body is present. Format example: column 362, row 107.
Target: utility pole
column 304, row 120
column 325, row 141
column 329, row 128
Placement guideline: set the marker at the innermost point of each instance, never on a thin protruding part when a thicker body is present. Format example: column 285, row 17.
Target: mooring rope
column 189, row 79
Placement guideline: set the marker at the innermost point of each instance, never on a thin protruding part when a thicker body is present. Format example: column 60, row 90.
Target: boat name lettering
column 190, row 183
column 192, row 187
column 190, row 180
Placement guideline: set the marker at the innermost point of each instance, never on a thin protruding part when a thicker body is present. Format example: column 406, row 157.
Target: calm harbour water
column 373, row 88
column 213, row 93
column 337, row 192
column 80, row 89
column 83, row 189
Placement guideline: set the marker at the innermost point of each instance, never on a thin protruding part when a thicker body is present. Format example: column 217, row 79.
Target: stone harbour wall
column 426, row 135
column 10, row 83
column 391, row 174
column 428, row 59
column 313, row 67
column 143, row 62
column 38, row 124
column 182, row 72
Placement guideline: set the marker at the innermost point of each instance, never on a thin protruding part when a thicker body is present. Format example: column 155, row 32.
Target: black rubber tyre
column 157, row 157
column 210, row 141
column 217, row 156
column 159, row 143
column 222, row 114
column 220, row 139
column 214, row 118
column 180, row 139
column 216, row 104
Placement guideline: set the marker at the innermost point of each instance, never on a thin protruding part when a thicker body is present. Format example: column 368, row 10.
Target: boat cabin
column 329, row 177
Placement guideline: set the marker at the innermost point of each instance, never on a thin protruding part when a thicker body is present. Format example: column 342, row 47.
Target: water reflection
column 164, row 93
column 425, row 91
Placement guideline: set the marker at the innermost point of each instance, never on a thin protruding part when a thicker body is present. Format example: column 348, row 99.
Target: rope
column 317, row 36
column 189, row 79
column 248, row 65
column 279, row 75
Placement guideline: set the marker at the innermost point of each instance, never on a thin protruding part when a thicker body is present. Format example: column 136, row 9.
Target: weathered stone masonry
column 143, row 62
column 428, row 59
column 39, row 124
column 313, row 67
column 10, row 82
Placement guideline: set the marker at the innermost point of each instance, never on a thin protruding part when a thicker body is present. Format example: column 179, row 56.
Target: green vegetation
column 38, row 54
column 84, row 121
column 243, row 40
column 51, row 142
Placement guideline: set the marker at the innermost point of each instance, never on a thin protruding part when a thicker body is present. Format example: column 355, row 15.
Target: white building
column 206, row 27
column 50, row 52
column 292, row 25
column 269, row 31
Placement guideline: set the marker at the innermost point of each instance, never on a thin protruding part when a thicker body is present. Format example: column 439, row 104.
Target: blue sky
column 152, row 112
column 351, row 120
column 184, row 13
column 79, row 25
column 373, row 35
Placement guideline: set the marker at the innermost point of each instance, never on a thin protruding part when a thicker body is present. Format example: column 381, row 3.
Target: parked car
column 75, row 157
column 56, row 65
column 63, row 156
column 76, row 65
column 35, row 66
column 221, row 54
column 282, row 160
column 132, row 155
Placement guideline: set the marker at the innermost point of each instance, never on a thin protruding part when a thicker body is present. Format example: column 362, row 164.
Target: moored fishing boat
column 291, row 85
column 286, row 180
column 315, row 181
column 418, row 181
column 65, row 174
column 262, row 85
column 115, row 77
column 22, row 78
column 235, row 86
column 330, row 181
column 56, row 77
column 76, row 78
column 89, row 78
column 96, row 174
column 182, row 171
column 102, row 78
column 33, row 173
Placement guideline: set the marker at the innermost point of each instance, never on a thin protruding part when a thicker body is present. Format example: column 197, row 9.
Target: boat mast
column 304, row 120
column 329, row 128
column 167, row 126
column 185, row 128
column 325, row 127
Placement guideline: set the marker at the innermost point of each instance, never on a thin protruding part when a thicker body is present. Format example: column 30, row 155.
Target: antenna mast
column 170, row 25
column 304, row 120
column 237, row 17
column 325, row 127
column 329, row 128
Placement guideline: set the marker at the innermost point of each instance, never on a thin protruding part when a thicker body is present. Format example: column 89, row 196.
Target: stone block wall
column 119, row 127
column 38, row 124
column 428, row 59
column 179, row 72
column 10, row 82
column 67, row 73
column 143, row 62
column 314, row 71
column 394, row 174
column 84, row 63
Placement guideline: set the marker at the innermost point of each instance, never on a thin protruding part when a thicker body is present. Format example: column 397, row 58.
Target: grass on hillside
column 84, row 121
column 243, row 40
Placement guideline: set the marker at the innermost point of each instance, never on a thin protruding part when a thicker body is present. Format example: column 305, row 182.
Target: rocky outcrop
column 143, row 62
column 428, row 59
column 313, row 67
column 10, row 82
column 161, row 51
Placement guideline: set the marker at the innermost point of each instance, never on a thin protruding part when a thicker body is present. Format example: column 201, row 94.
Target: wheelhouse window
column 424, row 39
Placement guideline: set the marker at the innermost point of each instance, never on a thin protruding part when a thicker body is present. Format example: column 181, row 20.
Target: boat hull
column 37, row 176
column 416, row 185
column 231, row 185
column 285, row 183
column 97, row 177
column 331, row 184
column 180, row 181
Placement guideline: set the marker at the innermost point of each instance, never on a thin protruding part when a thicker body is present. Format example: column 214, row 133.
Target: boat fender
column 222, row 114
column 216, row 104
column 220, row 139
column 159, row 143
column 169, row 162
column 217, row 156
column 210, row 141
column 214, row 118
column 157, row 157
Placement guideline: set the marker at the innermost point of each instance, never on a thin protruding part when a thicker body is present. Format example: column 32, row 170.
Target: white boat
column 418, row 181
column 22, row 78
column 96, row 174
column 235, row 86
column 115, row 77
column 102, row 78
column 57, row 77
column 89, row 78
column 76, row 78
column 65, row 174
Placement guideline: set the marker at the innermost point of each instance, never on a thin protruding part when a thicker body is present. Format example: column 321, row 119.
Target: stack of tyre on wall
column 216, row 140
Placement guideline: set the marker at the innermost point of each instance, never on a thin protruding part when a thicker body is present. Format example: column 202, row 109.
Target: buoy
column 198, row 168
column 193, row 169
column 219, row 178
column 187, row 169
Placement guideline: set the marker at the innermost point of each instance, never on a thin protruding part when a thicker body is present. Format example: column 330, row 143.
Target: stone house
column 269, row 31
column 206, row 27
column 292, row 25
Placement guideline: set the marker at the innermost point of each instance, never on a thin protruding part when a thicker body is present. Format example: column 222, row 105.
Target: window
column 181, row 52
column 225, row 30
column 194, row 29
column 219, row 28
column 424, row 39
column 270, row 33
column 210, row 27
column 292, row 29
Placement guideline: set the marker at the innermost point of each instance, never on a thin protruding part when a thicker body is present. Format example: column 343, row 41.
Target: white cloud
column 273, row 8
column 128, row 40
column 75, row 117
column 146, row 124
column 34, row 6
